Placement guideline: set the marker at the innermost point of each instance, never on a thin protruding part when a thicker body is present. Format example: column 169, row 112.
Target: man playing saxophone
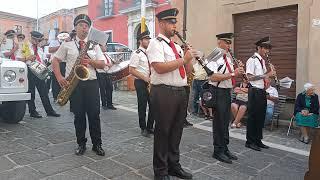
column 30, row 52
column 85, row 100
column 140, row 68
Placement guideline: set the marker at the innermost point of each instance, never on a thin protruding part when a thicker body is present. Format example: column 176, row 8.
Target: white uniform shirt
column 273, row 93
column 107, row 61
column 69, row 52
column 220, row 67
column 199, row 72
column 7, row 47
column 253, row 66
column 160, row 51
column 140, row 61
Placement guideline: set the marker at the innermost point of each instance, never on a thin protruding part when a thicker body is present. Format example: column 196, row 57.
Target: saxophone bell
column 82, row 72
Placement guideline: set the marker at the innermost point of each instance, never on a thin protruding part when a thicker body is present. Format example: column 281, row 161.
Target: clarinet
column 276, row 80
column 238, row 63
column 200, row 60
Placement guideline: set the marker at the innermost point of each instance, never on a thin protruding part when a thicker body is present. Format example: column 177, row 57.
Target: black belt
column 257, row 89
column 176, row 88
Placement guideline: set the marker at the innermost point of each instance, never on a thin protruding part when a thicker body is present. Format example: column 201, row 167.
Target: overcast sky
column 29, row 7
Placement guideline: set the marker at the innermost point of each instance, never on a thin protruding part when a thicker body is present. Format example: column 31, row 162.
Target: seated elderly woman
column 239, row 105
column 306, row 111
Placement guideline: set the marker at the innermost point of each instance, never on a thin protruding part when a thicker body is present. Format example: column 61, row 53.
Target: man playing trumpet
column 85, row 100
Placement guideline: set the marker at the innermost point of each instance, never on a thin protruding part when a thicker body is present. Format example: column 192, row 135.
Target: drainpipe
column 185, row 9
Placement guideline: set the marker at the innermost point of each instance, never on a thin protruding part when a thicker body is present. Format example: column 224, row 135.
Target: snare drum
column 120, row 67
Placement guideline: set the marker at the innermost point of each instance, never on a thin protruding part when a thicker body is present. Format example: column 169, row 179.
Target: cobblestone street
column 44, row 149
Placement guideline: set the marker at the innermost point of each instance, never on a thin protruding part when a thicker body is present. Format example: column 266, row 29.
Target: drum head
column 119, row 71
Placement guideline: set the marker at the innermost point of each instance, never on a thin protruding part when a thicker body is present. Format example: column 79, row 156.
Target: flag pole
column 143, row 15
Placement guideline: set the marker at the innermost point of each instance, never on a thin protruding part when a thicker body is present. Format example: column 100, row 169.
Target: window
column 110, row 36
column 108, row 7
column 18, row 28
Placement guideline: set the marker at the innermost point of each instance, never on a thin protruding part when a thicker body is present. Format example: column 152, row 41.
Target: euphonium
column 78, row 72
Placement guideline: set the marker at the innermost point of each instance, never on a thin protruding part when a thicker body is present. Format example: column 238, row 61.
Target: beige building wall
column 206, row 18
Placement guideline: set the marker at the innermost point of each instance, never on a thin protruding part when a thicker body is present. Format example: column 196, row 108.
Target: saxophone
column 78, row 72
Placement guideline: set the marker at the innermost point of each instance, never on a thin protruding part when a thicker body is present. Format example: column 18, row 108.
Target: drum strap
column 148, row 62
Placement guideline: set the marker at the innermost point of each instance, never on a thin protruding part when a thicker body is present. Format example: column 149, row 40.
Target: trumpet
column 238, row 63
column 276, row 80
column 199, row 59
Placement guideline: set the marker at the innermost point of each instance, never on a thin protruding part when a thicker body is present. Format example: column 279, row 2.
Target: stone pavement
column 44, row 149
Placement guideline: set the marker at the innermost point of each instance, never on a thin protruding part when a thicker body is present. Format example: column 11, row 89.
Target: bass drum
column 119, row 71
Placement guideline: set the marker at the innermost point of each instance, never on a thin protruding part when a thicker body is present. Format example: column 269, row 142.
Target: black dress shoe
column 98, row 150
column 53, row 114
column 222, row 157
column 150, row 131
column 35, row 114
column 230, row 155
column 253, row 146
column 145, row 133
column 112, row 108
column 180, row 173
column 80, row 150
column 187, row 123
column 104, row 107
column 166, row 177
column 261, row 145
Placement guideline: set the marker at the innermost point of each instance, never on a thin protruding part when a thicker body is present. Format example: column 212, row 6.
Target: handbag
column 208, row 95
column 242, row 97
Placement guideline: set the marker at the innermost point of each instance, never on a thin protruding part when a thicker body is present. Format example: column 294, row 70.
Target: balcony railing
column 118, row 57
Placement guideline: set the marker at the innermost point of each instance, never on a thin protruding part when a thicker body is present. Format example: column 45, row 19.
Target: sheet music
column 286, row 82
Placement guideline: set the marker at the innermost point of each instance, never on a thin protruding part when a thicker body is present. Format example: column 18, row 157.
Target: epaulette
column 254, row 57
column 138, row 51
column 159, row 38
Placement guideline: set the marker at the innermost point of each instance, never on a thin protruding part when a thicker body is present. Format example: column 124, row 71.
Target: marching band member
column 53, row 47
column 223, row 80
column 139, row 67
column 168, row 96
column 34, row 82
column 103, row 82
column 85, row 98
column 9, row 47
column 257, row 101
column 20, row 38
